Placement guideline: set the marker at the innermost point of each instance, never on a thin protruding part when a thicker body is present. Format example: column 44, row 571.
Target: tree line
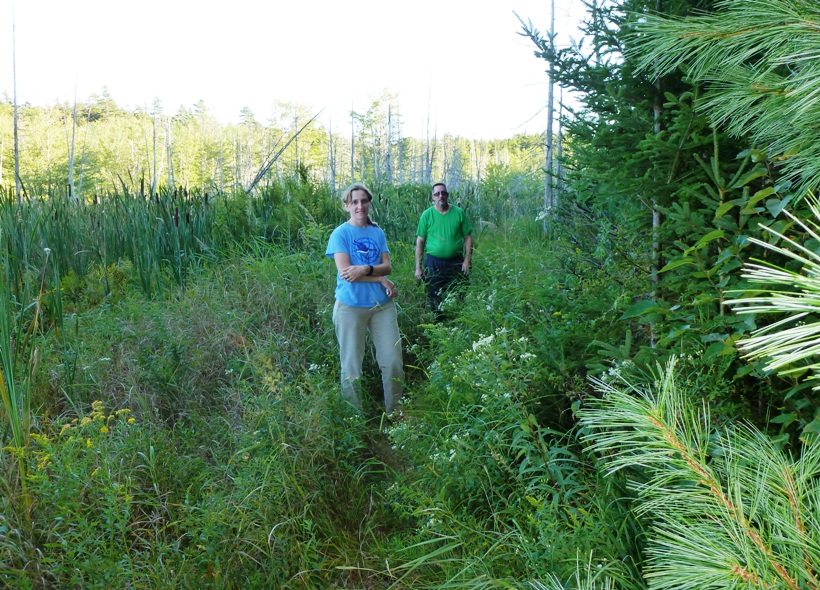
column 96, row 146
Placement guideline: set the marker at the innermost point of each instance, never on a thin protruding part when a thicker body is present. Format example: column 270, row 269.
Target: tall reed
column 19, row 326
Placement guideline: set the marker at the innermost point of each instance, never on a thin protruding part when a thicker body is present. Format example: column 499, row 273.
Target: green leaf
column 813, row 426
column 714, row 337
column 716, row 349
column 754, row 174
column 640, row 308
column 759, row 196
column 787, row 418
column 675, row 333
column 724, row 209
column 710, row 237
column 775, row 206
column 679, row 262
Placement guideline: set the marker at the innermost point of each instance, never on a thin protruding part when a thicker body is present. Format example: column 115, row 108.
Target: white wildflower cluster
column 485, row 341
column 615, row 371
column 448, row 455
column 489, row 298
column 487, row 397
column 524, row 356
column 402, row 436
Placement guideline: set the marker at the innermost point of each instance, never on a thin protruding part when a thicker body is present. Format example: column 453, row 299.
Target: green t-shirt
column 444, row 232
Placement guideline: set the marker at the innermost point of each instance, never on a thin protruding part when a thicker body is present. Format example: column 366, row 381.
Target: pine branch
column 728, row 507
column 760, row 60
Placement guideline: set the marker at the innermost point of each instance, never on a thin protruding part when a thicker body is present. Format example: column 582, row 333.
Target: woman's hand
column 353, row 272
column 390, row 288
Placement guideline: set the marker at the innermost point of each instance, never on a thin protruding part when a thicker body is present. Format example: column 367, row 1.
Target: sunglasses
column 441, row 194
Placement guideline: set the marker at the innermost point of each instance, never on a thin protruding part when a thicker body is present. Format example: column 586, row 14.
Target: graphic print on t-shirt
column 366, row 250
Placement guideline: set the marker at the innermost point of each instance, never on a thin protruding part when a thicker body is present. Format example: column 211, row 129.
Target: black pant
column 441, row 275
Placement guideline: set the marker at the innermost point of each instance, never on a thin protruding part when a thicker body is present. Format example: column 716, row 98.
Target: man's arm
column 420, row 242
column 468, row 253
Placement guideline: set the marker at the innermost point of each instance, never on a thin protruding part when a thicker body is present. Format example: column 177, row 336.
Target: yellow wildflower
column 39, row 438
column 104, row 429
column 88, row 443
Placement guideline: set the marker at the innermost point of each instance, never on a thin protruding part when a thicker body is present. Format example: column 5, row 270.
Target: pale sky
column 463, row 60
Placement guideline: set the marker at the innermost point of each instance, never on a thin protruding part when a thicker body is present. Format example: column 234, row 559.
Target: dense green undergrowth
column 191, row 436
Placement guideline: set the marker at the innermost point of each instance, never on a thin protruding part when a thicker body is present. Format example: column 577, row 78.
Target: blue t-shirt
column 364, row 245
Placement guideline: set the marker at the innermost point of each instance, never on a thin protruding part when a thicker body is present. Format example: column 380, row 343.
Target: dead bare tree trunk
column 273, row 157
column 559, row 168
column 399, row 151
column 432, row 153
column 237, row 181
column 71, row 148
column 296, row 143
column 427, row 157
column 18, row 184
column 375, row 147
column 221, row 165
column 82, row 155
column 352, row 145
column 331, row 159
column 549, row 210
column 170, row 161
column 154, row 147
column 389, row 163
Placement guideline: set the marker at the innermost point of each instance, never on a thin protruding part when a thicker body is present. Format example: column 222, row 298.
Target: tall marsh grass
column 187, row 429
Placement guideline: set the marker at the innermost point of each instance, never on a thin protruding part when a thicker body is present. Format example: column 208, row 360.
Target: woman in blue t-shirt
column 364, row 300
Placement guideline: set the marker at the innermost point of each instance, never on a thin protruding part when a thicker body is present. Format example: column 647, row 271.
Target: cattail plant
column 19, row 327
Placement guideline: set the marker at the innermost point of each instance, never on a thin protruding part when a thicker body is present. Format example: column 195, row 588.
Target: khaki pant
column 381, row 322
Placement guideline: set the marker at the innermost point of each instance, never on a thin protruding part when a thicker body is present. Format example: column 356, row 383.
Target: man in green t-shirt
column 446, row 235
